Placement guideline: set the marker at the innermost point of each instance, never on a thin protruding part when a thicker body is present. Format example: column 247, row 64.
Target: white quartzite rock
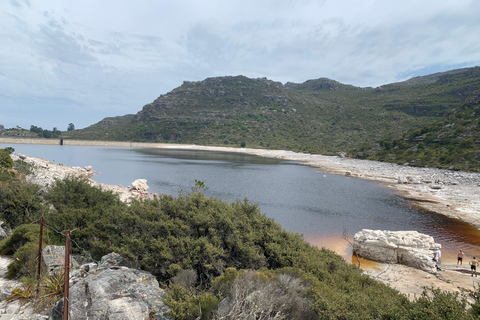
column 140, row 185
column 410, row 248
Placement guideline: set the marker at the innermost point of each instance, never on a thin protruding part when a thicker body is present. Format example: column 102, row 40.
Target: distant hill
column 317, row 116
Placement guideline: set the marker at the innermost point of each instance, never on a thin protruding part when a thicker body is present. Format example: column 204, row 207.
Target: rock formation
column 54, row 257
column 410, row 248
column 107, row 291
column 140, row 185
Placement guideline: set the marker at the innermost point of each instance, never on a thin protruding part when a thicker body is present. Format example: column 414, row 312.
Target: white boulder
column 140, row 185
column 410, row 248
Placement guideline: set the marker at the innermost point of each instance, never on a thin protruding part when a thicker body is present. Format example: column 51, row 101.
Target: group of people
column 473, row 263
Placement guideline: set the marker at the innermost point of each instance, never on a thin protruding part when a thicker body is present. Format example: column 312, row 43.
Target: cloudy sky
column 64, row 61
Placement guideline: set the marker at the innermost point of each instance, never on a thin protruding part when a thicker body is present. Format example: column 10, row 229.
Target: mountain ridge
column 317, row 116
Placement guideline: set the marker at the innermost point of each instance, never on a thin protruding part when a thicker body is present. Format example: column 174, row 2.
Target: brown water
column 302, row 200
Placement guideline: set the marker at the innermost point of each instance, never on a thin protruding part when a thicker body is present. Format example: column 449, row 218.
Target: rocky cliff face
column 214, row 93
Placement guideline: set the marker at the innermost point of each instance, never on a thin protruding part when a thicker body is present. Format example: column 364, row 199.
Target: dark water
column 300, row 198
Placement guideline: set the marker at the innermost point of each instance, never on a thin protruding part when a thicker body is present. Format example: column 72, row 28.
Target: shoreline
column 450, row 193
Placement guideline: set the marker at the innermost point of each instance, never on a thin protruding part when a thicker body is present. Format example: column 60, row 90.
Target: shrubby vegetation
column 450, row 143
column 204, row 250
column 5, row 159
column 317, row 116
column 44, row 133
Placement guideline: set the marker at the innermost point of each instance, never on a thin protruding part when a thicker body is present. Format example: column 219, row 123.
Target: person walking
column 460, row 257
column 473, row 266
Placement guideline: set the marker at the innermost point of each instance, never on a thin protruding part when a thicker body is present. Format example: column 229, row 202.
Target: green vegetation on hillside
column 317, row 116
column 453, row 142
column 203, row 250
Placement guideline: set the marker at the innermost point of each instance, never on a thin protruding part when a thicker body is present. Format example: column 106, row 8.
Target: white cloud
column 91, row 59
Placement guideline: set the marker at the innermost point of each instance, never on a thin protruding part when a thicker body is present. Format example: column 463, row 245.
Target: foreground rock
column 409, row 248
column 54, row 259
column 112, row 292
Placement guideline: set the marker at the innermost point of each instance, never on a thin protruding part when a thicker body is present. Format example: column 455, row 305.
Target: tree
column 71, row 127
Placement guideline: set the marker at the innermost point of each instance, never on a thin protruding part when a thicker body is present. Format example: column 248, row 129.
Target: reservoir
column 300, row 198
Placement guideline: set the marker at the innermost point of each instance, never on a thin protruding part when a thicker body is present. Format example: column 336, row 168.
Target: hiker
column 473, row 265
column 460, row 257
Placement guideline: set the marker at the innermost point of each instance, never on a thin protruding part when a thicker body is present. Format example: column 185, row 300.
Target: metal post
column 40, row 249
column 67, row 276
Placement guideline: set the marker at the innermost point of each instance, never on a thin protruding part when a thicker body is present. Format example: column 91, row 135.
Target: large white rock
column 140, row 185
column 410, row 248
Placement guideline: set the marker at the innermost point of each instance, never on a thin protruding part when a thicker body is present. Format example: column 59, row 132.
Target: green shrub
column 182, row 303
column 19, row 202
column 438, row 304
column 23, row 245
column 5, row 159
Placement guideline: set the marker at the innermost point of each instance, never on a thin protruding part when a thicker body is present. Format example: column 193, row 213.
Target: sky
column 66, row 61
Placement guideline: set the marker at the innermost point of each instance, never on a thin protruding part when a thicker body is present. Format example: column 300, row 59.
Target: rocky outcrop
column 54, row 258
column 108, row 291
column 410, row 248
column 44, row 173
column 140, row 185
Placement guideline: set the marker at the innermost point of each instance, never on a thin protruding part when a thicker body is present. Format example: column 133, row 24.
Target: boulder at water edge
column 140, row 185
column 410, row 248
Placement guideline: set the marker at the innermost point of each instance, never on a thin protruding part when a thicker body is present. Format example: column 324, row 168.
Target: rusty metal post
column 67, row 276
column 40, row 249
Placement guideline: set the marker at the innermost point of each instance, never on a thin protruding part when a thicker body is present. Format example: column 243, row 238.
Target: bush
column 23, row 245
column 19, row 202
column 185, row 305
column 5, row 159
column 437, row 304
column 265, row 294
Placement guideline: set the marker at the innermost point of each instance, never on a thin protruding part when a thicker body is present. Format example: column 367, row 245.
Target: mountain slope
column 318, row 116
column 452, row 142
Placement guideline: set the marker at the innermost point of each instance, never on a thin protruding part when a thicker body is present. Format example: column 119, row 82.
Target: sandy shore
column 451, row 193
